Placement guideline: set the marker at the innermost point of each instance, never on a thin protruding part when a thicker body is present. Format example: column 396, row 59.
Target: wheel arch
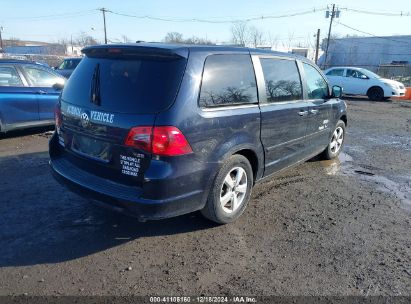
column 344, row 119
column 251, row 156
column 375, row 87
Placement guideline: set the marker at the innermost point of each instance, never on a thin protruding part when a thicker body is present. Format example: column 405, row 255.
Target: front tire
column 230, row 191
column 336, row 142
column 375, row 94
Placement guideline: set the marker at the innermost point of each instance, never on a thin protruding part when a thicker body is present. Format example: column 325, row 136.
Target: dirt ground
column 323, row 228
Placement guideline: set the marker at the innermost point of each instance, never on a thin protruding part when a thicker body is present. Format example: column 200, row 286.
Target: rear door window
column 336, row 72
column 282, row 80
column 9, row 77
column 126, row 85
column 228, row 80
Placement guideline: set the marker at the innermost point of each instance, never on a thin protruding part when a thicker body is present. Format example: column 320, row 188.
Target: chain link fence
column 401, row 73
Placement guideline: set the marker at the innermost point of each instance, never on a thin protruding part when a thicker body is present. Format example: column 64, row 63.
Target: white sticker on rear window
column 129, row 165
column 103, row 117
column 95, row 116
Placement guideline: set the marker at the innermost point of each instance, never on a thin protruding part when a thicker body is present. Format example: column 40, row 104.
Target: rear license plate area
column 91, row 148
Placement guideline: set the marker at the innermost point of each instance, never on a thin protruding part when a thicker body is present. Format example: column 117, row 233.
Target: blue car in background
column 28, row 94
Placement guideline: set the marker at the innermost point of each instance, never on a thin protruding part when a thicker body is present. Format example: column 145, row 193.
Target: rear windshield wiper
column 95, row 86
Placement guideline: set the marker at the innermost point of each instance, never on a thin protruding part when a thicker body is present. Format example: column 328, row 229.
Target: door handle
column 314, row 112
column 41, row 92
column 303, row 113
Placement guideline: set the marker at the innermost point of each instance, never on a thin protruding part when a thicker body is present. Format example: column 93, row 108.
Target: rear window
column 127, row 85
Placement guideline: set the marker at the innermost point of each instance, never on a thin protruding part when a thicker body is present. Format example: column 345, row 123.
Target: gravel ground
column 322, row 228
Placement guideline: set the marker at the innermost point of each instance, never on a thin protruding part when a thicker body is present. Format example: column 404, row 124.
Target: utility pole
column 104, row 10
column 334, row 14
column 317, row 46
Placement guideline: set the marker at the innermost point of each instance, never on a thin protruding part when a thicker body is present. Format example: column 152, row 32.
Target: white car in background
column 358, row 81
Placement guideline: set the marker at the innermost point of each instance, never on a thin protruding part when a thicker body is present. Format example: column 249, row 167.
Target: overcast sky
column 52, row 20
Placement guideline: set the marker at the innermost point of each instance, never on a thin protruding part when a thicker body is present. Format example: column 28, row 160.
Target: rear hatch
column 112, row 90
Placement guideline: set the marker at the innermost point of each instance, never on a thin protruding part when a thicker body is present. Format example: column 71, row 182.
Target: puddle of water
column 343, row 165
column 400, row 190
column 338, row 165
column 397, row 141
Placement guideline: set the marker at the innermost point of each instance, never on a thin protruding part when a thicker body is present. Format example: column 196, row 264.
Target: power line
column 54, row 16
column 207, row 20
column 366, row 33
column 389, row 14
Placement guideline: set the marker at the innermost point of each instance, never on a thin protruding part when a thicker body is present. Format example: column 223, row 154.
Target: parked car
column 28, row 94
column 358, row 81
column 167, row 129
column 67, row 67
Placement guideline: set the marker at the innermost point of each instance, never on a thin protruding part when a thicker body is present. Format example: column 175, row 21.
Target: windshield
column 126, row 85
column 370, row 74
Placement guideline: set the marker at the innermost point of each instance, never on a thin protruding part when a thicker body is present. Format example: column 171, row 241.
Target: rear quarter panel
column 214, row 134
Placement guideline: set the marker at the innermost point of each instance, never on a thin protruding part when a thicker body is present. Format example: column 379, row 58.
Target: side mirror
column 364, row 77
column 58, row 86
column 337, row 92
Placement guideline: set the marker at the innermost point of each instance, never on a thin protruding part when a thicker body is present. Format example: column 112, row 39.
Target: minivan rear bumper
column 106, row 195
column 122, row 198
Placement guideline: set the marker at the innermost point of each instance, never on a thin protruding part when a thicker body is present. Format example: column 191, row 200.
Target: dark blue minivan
column 156, row 130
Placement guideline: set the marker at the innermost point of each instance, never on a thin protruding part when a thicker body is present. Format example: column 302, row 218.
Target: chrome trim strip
column 223, row 108
column 282, row 103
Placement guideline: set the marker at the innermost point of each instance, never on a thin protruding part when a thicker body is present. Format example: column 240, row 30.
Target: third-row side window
column 282, row 80
column 228, row 80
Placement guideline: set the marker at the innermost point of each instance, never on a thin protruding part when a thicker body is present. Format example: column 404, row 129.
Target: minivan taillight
column 162, row 140
column 57, row 118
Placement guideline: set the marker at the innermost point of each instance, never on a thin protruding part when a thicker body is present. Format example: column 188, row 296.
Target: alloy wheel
column 234, row 190
column 337, row 140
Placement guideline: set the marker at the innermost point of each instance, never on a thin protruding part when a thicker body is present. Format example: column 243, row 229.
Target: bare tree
column 256, row 36
column 197, row 40
column 125, row 39
column 290, row 39
column 239, row 33
column 272, row 40
column 64, row 41
column 84, row 39
column 173, row 37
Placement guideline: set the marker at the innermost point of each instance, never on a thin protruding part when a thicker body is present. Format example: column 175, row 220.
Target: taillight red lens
column 57, row 117
column 169, row 141
column 164, row 140
column 140, row 138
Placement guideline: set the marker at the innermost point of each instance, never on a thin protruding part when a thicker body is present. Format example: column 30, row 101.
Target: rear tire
column 230, row 191
column 375, row 94
column 336, row 142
